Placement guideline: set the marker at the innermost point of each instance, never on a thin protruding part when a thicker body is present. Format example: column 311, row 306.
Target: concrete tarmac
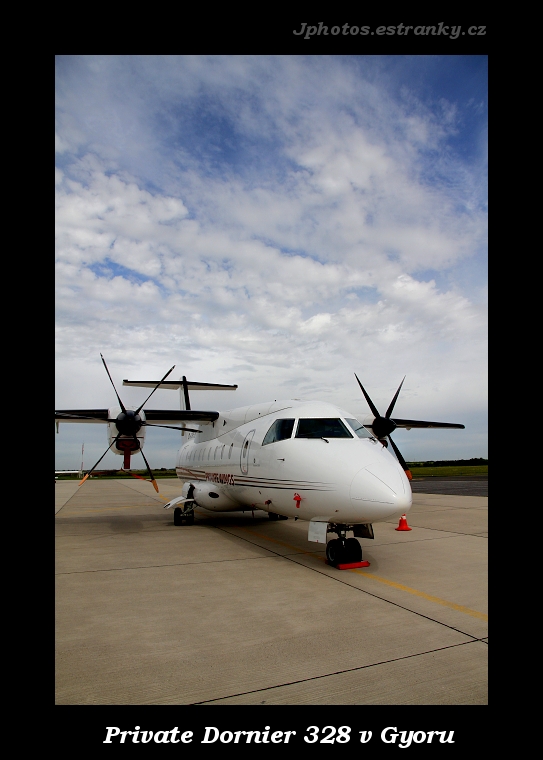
column 471, row 485
column 239, row 610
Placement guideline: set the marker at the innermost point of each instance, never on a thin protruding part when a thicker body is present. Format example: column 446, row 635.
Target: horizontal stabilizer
column 176, row 384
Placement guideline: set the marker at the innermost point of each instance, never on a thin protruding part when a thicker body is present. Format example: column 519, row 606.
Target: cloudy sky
column 277, row 222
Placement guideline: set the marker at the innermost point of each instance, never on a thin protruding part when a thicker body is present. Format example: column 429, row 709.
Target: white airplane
column 303, row 459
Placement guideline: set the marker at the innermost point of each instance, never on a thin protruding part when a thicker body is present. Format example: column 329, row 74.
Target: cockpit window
column 322, row 428
column 359, row 429
column 280, row 430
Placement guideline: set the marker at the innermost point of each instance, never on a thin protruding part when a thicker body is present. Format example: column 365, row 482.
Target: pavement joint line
column 428, row 597
column 297, row 550
column 292, row 558
column 393, row 584
column 175, row 564
column 339, row 672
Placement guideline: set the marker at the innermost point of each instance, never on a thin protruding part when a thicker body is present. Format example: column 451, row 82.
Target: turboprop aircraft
column 307, row 460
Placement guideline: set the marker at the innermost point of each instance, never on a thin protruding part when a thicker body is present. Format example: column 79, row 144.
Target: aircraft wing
column 423, row 424
column 154, row 416
column 81, row 415
column 171, row 416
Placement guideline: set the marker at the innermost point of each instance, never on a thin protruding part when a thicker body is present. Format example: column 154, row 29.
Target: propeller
column 384, row 426
column 128, row 422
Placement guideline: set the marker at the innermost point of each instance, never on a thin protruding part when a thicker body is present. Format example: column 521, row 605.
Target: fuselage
column 310, row 460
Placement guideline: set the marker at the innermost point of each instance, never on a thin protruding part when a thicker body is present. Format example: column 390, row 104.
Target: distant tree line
column 450, row 462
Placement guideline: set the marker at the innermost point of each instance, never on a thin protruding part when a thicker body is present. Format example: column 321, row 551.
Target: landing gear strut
column 343, row 550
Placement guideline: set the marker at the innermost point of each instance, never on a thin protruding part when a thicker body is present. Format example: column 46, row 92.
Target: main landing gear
column 274, row 516
column 185, row 515
column 343, row 550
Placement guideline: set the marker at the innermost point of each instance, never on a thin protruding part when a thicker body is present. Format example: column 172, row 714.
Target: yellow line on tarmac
column 393, row 584
column 428, row 597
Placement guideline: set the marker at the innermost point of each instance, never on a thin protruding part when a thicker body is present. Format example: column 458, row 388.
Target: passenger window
column 279, row 431
column 322, row 428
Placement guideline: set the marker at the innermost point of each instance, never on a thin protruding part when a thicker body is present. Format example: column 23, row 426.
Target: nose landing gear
column 343, row 550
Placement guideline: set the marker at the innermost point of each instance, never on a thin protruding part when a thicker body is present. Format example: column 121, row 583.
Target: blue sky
column 278, row 222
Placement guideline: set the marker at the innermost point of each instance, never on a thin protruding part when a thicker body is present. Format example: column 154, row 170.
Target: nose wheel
column 343, row 550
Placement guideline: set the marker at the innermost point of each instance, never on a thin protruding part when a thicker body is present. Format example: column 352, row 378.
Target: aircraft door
column 244, row 454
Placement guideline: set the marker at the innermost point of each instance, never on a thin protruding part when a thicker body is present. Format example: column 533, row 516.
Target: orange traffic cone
column 403, row 524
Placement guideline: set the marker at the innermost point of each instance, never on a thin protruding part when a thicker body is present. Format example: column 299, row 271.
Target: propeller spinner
column 384, row 426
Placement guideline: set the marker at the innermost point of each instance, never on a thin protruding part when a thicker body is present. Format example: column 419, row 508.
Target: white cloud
column 206, row 221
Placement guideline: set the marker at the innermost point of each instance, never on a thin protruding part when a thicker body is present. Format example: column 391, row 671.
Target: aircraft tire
column 353, row 550
column 177, row 518
column 335, row 552
column 273, row 516
column 190, row 518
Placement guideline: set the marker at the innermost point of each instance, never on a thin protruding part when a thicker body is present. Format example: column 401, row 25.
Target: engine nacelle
column 125, row 442
column 210, row 496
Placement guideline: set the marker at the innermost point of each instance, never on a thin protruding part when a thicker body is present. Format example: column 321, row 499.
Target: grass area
column 442, row 472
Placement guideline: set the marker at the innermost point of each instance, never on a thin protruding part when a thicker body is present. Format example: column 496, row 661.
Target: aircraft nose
column 383, row 487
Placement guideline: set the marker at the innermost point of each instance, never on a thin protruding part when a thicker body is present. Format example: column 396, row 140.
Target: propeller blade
column 368, row 399
column 98, row 462
column 153, row 481
column 154, row 389
column 113, row 384
column 401, row 460
column 133, row 474
column 391, row 407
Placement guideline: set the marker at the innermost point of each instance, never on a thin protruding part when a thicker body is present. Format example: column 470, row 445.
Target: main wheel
column 335, row 552
column 273, row 516
column 353, row 550
column 177, row 516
